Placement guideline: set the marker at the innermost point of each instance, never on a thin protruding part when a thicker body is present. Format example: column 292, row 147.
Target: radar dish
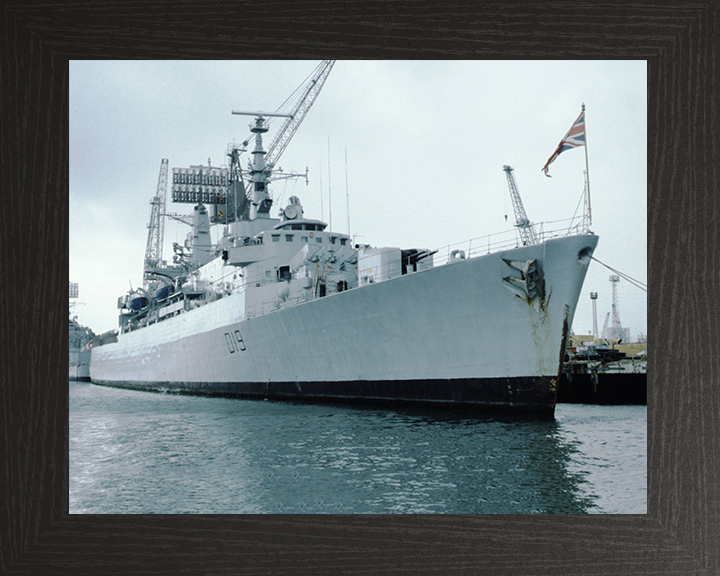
column 291, row 212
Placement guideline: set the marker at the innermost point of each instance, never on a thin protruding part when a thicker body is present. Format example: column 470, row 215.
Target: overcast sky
column 425, row 141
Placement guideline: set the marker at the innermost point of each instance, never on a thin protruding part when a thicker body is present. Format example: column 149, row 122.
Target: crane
column 310, row 93
column 225, row 187
column 263, row 162
column 184, row 218
column 524, row 226
column 605, row 333
column 156, row 228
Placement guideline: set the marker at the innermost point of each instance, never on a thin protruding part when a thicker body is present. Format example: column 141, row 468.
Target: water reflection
column 136, row 452
column 414, row 461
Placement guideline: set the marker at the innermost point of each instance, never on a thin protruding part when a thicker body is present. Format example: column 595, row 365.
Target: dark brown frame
column 680, row 533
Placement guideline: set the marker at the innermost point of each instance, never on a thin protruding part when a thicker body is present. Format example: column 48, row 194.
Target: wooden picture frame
column 681, row 531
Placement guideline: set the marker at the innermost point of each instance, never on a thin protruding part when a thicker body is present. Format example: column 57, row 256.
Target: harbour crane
column 310, row 93
column 263, row 163
column 225, row 187
column 524, row 226
column 184, row 218
column 605, row 333
column 156, row 227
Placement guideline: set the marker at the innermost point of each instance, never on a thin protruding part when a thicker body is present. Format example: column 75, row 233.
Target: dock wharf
column 622, row 381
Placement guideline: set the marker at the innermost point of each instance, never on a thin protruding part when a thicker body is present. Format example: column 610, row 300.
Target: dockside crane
column 605, row 333
column 263, row 163
column 310, row 92
column 184, row 218
column 156, row 228
column 224, row 188
column 524, row 226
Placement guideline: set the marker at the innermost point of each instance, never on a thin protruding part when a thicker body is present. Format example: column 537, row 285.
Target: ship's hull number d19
column 234, row 342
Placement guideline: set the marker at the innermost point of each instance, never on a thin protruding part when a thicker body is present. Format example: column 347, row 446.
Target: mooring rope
column 632, row 281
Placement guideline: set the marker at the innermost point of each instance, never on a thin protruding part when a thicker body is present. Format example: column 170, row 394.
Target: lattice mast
column 156, row 227
column 524, row 226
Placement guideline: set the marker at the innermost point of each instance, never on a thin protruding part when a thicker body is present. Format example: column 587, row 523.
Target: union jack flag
column 574, row 138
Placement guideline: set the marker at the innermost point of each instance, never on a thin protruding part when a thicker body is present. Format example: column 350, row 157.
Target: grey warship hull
column 286, row 308
column 463, row 334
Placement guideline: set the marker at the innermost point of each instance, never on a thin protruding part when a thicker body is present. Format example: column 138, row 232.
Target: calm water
column 141, row 453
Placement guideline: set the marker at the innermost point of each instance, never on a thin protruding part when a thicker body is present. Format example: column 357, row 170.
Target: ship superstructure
column 79, row 341
column 286, row 308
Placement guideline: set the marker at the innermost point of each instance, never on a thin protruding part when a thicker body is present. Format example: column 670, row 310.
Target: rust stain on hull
column 565, row 332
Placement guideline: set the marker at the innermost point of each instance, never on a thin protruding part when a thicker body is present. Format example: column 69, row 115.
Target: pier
column 605, row 375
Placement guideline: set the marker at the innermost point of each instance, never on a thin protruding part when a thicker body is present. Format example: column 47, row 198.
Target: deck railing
column 510, row 239
column 472, row 248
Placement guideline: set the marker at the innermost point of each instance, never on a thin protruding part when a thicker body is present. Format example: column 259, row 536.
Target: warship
column 80, row 342
column 286, row 308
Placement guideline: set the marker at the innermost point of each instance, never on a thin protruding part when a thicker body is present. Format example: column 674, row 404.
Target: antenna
column 329, row 188
column 322, row 217
column 347, row 193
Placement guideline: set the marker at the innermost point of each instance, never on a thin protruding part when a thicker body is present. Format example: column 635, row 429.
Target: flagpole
column 587, row 169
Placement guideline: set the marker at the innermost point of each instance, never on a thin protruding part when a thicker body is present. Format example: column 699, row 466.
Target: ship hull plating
column 536, row 395
column 462, row 334
column 79, row 366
